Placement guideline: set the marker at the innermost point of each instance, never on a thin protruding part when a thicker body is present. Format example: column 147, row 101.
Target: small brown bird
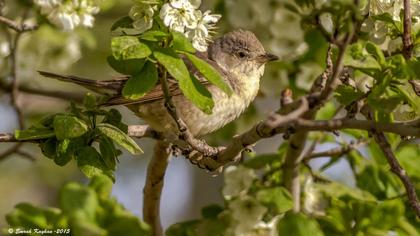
column 238, row 56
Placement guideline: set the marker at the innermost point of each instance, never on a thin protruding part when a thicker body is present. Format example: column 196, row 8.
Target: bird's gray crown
column 241, row 43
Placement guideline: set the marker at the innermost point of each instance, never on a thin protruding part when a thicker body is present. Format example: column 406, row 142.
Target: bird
column 238, row 56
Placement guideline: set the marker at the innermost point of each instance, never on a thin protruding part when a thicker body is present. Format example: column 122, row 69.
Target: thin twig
column 68, row 96
column 15, row 85
column 20, row 28
column 399, row 171
column 336, row 152
column 407, row 41
column 10, row 151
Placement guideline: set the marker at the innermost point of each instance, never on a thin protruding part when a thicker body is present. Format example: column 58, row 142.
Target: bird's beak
column 267, row 57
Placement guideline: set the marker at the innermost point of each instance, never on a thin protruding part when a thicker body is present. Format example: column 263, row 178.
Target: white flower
column 247, row 210
column 180, row 14
column 378, row 30
column 69, row 14
column 47, row 5
column 68, row 21
column 247, row 214
column 4, row 49
column 237, row 181
column 185, row 4
column 142, row 16
column 200, row 35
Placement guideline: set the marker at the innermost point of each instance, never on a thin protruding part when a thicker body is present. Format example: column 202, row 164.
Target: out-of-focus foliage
column 83, row 210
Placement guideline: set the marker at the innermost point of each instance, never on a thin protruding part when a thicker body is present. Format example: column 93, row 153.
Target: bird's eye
column 242, row 54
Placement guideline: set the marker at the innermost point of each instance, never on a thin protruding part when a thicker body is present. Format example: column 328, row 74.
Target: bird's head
column 239, row 51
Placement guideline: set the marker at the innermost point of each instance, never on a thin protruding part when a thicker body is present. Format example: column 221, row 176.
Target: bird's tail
column 109, row 87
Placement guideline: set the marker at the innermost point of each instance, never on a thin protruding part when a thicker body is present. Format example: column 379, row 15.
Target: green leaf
column 129, row 47
column 211, row 211
column 123, row 22
column 181, row 43
column 126, row 67
column 78, row 200
column 48, row 147
column 385, row 17
column 297, row 224
column 356, row 57
column 27, row 216
column 409, row 158
column 128, row 224
column 278, row 197
column 326, row 112
column 210, row 73
column 376, row 52
column 347, row 94
column 378, row 181
column 114, row 118
column 262, row 161
column 190, row 86
column 317, row 47
column 188, row 228
column 89, row 101
column 138, row 85
column 102, row 186
column 34, row 134
column 119, row 137
column 153, row 35
column 109, row 152
column 90, row 163
column 81, row 227
column 67, row 127
column 65, row 152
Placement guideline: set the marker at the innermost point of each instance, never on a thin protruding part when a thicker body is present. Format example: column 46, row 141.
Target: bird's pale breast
column 225, row 110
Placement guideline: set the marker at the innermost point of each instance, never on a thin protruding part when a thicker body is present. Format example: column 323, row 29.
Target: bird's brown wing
column 156, row 93
column 113, row 88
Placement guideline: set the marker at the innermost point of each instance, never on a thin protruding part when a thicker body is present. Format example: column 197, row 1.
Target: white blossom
column 180, row 14
column 378, row 30
column 142, row 15
column 4, row 49
column 247, row 214
column 183, row 16
column 200, row 35
column 237, row 181
column 69, row 14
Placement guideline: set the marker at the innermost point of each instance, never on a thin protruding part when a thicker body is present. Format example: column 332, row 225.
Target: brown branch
column 20, row 28
column 153, row 186
column 14, row 93
column 407, row 41
column 399, row 171
column 262, row 131
column 68, row 96
column 135, row 131
column 15, row 85
column 335, row 152
column 10, row 151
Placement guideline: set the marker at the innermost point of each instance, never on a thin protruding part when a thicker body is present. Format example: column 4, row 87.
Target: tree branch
column 399, row 171
column 407, row 41
column 20, row 28
column 67, row 96
column 335, row 152
column 153, row 186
